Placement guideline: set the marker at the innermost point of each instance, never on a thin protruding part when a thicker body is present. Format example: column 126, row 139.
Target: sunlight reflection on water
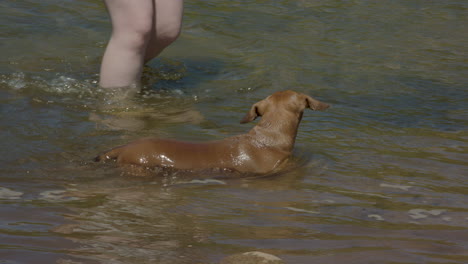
column 379, row 177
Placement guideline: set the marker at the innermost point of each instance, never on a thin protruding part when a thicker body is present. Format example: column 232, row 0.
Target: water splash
column 59, row 84
column 16, row 81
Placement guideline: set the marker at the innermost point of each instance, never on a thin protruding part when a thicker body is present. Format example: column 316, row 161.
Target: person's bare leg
column 168, row 22
column 132, row 26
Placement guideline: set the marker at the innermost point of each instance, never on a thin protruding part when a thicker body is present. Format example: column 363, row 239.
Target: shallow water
column 378, row 178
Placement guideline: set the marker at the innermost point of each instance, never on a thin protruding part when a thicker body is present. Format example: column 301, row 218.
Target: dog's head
column 284, row 100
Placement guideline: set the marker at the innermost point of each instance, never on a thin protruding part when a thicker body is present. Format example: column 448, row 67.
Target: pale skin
column 141, row 30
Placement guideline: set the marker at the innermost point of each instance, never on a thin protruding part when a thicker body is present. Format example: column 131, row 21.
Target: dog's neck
column 277, row 130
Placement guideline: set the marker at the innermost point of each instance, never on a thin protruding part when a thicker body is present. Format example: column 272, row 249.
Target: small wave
column 422, row 213
column 204, row 182
column 9, row 194
column 376, row 217
column 396, row 186
column 301, row 210
column 56, row 196
column 78, row 91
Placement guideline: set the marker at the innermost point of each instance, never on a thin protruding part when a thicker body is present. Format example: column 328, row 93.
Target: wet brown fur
column 263, row 149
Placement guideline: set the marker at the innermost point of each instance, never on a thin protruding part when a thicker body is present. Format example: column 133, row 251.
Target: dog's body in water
column 263, row 149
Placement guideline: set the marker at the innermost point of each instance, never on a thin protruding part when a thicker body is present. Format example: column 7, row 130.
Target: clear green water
column 382, row 175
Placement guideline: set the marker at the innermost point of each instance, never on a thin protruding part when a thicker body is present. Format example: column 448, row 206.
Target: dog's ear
column 255, row 111
column 315, row 104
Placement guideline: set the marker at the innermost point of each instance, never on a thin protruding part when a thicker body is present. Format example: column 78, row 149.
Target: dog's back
column 265, row 148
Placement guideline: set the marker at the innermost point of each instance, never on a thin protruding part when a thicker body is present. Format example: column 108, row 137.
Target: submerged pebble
column 252, row 257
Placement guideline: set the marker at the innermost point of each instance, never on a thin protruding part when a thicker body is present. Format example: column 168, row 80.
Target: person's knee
column 168, row 35
column 134, row 35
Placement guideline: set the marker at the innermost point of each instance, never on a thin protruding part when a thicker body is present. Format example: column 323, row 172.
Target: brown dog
column 262, row 150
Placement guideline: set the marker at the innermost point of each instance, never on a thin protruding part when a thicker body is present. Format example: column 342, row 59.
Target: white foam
column 9, row 194
column 422, row 213
column 376, row 217
column 56, row 196
column 396, row 186
column 207, row 181
column 301, row 210
column 16, row 81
